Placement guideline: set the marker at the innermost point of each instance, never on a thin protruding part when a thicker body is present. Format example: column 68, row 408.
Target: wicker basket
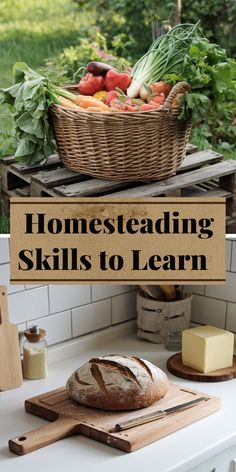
column 123, row 146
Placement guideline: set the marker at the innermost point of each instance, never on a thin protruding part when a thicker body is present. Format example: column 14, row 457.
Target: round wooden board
column 175, row 367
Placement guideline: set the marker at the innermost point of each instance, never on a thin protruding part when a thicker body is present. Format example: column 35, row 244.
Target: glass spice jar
column 35, row 354
column 173, row 341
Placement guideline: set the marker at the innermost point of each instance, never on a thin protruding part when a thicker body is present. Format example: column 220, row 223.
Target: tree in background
column 218, row 20
column 130, row 24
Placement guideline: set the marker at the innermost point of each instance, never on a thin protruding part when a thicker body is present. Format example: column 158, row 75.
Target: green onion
column 163, row 57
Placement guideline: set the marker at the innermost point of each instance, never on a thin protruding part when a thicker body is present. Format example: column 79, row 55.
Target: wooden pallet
column 203, row 173
column 42, row 179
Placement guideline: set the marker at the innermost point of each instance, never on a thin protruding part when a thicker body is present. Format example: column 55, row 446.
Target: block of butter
column 207, row 348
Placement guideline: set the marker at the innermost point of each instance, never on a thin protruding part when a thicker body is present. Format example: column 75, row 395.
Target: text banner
column 108, row 240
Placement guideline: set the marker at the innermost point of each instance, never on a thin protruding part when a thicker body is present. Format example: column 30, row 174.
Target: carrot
column 87, row 101
column 64, row 102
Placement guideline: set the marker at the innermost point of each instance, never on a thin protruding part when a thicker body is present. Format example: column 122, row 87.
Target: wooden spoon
column 169, row 291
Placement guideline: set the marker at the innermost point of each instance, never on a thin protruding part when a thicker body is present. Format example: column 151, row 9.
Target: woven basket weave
column 156, row 317
column 123, row 146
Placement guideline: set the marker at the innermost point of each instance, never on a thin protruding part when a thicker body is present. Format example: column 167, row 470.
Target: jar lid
column 34, row 334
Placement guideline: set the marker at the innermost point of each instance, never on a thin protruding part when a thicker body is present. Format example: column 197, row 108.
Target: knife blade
column 155, row 415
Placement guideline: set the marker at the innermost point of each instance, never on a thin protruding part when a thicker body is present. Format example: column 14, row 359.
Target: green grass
column 4, row 221
column 229, row 154
column 34, row 30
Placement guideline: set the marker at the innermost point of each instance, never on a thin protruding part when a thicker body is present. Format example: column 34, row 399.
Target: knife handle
column 137, row 421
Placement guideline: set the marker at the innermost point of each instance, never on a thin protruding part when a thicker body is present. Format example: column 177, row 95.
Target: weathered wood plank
column 36, row 190
column 229, row 182
column 191, row 148
column 10, row 181
column 7, row 160
column 89, row 187
column 198, row 192
column 230, row 225
column 21, row 169
column 198, row 159
column 180, row 181
column 57, row 177
column 23, row 192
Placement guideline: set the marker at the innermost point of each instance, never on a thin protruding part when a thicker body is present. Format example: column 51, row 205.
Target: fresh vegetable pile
column 183, row 54
column 111, row 87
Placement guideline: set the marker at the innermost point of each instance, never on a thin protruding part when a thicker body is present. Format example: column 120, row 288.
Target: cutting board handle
column 51, row 432
column 3, row 306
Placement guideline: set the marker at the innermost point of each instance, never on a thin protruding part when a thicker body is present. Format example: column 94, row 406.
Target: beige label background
column 149, row 245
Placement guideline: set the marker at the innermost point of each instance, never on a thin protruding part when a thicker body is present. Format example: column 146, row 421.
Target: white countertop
column 178, row 452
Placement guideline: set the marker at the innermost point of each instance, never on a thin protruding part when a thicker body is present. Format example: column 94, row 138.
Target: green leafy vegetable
column 212, row 76
column 31, row 96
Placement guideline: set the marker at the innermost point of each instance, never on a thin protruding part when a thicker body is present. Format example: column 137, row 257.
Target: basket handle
column 180, row 87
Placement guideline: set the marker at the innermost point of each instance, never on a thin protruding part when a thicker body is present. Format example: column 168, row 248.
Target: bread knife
column 156, row 415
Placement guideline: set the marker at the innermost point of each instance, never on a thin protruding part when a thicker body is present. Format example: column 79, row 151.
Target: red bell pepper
column 89, row 84
column 115, row 79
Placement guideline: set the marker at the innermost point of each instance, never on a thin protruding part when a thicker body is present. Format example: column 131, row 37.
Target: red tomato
column 154, row 104
column 131, row 108
column 161, row 87
column 158, row 98
column 117, row 105
column 111, row 96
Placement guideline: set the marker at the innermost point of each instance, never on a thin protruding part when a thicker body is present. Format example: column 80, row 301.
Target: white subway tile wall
column 69, row 311
column 99, row 292
column 233, row 260
column 5, row 279
column 65, row 311
column 228, row 254
column 27, row 305
column 207, row 310
column 231, row 317
column 216, row 304
column 62, row 297
column 123, row 307
column 58, row 326
column 91, row 317
column 4, row 250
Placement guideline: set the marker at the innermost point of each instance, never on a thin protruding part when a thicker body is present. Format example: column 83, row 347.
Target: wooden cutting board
column 10, row 362
column 69, row 418
column 176, row 367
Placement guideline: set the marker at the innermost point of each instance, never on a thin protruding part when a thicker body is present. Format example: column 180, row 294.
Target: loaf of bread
column 117, row 382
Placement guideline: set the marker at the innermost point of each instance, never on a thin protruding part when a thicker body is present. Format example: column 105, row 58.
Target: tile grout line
column 71, row 324
column 226, row 314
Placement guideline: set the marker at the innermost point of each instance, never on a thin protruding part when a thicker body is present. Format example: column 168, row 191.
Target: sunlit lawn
column 34, row 30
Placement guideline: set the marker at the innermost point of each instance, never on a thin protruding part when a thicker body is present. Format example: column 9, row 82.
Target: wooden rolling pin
column 169, row 291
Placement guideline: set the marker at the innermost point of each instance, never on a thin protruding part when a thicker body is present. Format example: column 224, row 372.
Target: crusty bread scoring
column 117, row 382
